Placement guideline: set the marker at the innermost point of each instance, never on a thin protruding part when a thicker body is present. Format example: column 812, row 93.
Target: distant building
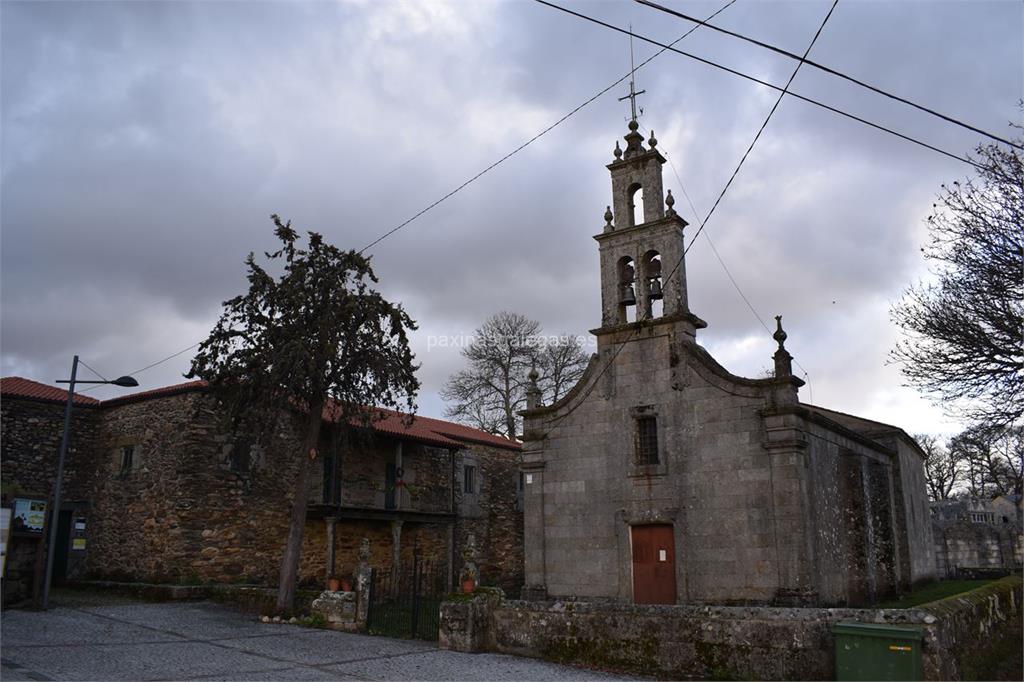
column 978, row 536
column 663, row 478
column 155, row 492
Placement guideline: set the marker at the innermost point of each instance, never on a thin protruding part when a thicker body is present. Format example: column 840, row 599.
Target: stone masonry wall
column 493, row 516
column 32, row 432
column 961, row 634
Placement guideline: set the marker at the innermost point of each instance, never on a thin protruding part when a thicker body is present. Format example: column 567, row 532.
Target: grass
column 933, row 592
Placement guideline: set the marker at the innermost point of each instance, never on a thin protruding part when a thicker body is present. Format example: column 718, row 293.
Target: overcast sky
column 145, row 145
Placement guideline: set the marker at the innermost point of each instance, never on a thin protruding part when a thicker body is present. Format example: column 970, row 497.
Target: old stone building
column 663, row 478
column 975, row 536
column 156, row 492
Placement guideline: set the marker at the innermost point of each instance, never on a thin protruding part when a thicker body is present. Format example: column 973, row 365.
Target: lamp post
column 125, row 381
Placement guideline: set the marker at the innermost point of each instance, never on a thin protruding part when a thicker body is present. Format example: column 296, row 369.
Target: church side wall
column 853, row 521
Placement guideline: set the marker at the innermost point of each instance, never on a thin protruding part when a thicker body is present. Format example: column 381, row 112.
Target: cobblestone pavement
column 101, row 638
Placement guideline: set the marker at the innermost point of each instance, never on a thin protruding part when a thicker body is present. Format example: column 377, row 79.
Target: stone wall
column 493, row 516
column 721, row 642
column 32, row 432
column 963, row 545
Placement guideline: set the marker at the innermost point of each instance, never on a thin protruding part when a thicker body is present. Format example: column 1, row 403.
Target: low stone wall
column 252, row 598
column 721, row 642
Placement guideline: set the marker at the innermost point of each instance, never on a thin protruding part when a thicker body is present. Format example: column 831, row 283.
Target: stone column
column 396, row 544
column 330, row 522
column 363, row 582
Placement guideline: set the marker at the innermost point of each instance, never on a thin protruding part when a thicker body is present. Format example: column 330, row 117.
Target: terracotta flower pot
column 346, row 586
column 468, row 585
column 333, row 584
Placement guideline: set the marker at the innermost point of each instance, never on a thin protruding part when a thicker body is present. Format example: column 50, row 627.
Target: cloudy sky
column 145, row 145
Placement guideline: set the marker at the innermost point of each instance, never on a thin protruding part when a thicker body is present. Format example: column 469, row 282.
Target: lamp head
column 126, row 381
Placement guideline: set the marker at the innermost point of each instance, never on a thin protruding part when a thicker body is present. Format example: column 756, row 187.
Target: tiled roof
column 18, row 387
column 423, row 429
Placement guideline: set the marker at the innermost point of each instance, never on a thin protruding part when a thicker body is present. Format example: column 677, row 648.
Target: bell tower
column 642, row 244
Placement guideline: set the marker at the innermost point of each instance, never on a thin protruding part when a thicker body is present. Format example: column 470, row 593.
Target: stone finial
column 780, row 333
column 608, row 216
column 652, row 142
column 634, row 141
column 618, row 151
column 783, row 360
column 532, row 390
column 670, row 201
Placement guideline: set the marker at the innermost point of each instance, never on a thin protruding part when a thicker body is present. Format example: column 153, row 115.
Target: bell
column 655, row 293
column 628, row 297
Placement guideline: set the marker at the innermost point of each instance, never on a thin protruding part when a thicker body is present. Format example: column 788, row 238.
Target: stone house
column 978, row 536
column 155, row 492
column 663, row 478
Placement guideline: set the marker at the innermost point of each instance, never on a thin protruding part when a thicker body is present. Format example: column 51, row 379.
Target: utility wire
column 496, row 163
column 151, row 365
column 679, row 262
column 829, row 70
column 536, row 137
column 815, row 102
column 728, row 273
column 82, row 362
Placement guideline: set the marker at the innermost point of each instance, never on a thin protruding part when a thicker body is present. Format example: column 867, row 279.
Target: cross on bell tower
column 642, row 243
column 633, row 94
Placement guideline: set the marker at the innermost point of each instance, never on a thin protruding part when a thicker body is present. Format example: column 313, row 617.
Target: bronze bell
column 655, row 293
column 628, row 297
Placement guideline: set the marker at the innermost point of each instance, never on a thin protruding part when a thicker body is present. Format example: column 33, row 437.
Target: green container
column 867, row 651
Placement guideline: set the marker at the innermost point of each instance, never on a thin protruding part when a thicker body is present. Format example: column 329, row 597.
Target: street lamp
column 124, row 381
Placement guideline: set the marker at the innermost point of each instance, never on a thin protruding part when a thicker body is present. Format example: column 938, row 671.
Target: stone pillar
column 470, row 568
column 396, row 544
column 535, row 587
column 330, row 522
column 363, row 582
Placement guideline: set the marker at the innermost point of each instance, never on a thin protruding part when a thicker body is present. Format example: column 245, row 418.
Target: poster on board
column 29, row 515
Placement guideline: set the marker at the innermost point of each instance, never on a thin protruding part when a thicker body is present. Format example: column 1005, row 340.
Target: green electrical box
column 867, row 651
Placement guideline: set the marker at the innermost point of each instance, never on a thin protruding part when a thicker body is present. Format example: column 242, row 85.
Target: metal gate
column 405, row 600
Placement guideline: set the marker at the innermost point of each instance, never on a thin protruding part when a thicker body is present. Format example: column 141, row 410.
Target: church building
column 663, row 478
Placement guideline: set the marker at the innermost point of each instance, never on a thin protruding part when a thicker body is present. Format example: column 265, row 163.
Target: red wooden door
column 654, row 565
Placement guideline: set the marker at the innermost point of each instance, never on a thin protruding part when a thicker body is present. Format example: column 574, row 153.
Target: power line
column 536, row 137
column 753, row 79
column 496, row 163
column 829, row 70
column 679, row 262
column 151, row 365
column 728, row 273
column 82, row 362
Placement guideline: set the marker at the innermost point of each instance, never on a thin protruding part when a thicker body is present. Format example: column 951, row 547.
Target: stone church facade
column 663, row 478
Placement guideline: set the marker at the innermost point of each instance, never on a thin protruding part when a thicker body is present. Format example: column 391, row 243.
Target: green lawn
column 933, row 592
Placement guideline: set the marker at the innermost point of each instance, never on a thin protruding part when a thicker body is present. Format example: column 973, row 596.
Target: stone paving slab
column 84, row 639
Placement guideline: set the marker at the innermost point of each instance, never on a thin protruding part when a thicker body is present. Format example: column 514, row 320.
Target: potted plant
column 346, row 585
column 333, row 583
column 468, row 585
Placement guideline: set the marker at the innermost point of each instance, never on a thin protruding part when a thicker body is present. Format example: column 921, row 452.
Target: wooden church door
column 654, row 565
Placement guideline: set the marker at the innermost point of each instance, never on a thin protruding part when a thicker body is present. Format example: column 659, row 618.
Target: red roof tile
column 18, row 387
column 423, row 429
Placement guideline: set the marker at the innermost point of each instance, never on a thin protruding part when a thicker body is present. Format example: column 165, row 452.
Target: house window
column 647, row 440
column 469, row 479
column 127, row 459
column 241, row 458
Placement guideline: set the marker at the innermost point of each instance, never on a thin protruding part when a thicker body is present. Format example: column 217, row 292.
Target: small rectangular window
column 241, row 457
column 469, row 479
column 127, row 457
column 647, row 440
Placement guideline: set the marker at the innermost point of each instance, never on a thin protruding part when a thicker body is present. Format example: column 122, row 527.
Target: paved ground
column 103, row 638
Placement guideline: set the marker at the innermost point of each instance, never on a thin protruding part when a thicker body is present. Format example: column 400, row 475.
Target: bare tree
column 963, row 340
column 561, row 362
column 992, row 458
column 491, row 390
column 942, row 469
